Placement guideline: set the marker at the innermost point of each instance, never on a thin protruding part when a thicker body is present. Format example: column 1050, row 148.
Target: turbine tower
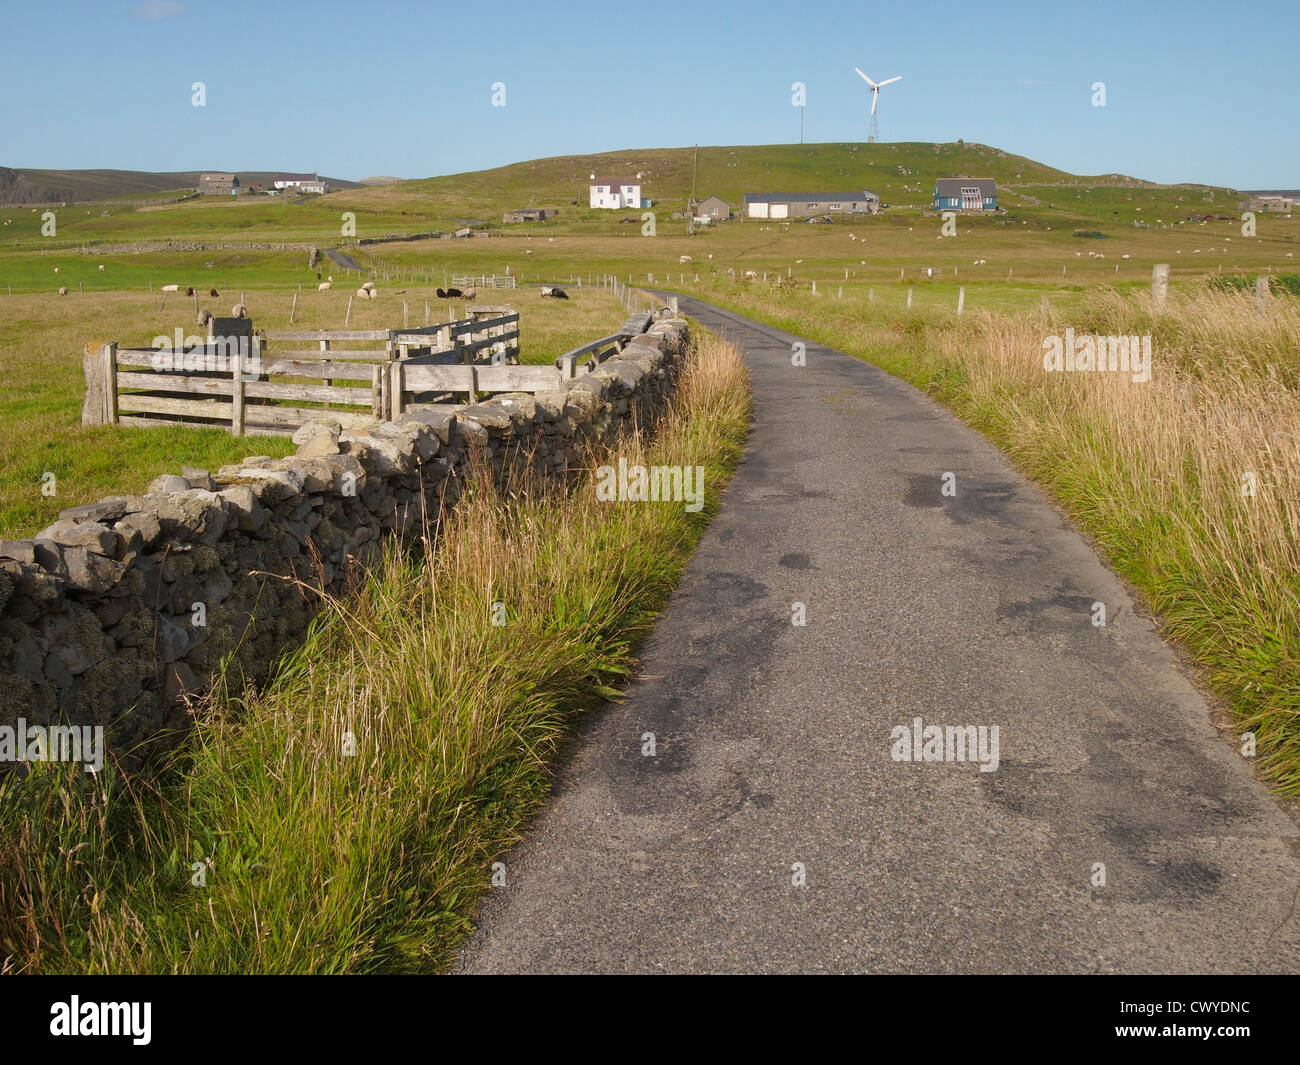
column 876, row 86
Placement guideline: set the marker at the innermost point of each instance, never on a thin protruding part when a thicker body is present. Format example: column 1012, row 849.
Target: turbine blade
column 890, row 81
column 865, row 78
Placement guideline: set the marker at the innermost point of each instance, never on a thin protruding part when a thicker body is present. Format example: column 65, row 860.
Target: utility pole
column 690, row 207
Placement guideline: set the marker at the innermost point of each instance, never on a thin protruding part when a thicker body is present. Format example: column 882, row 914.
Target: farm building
column 801, row 204
column 218, row 185
column 530, row 214
column 301, row 182
column 1282, row 200
column 615, row 192
column 714, row 208
column 965, row 194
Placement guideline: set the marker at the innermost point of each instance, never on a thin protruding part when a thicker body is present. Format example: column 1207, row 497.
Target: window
column 971, row 198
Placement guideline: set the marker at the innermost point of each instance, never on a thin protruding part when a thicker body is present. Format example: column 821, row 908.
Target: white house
column 615, row 192
column 302, row 182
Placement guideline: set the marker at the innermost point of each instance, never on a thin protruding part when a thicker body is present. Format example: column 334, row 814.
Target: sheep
column 190, row 291
column 101, row 266
column 368, row 285
column 363, row 293
column 324, row 286
column 239, row 311
column 684, row 259
column 450, row 294
column 751, row 275
column 374, row 293
column 62, row 291
column 470, row 293
column 170, row 288
column 204, row 317
column 56, row 269
column 554, row 292
column 214, row 293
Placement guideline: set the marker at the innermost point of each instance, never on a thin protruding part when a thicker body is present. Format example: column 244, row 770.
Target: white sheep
column 684, row 259
column 369, row 286
column 63, row 291
column 101, row 266
column 324, row 286
column 204, row 317
column 171, row 288
column 239, row 311
column 56, row 269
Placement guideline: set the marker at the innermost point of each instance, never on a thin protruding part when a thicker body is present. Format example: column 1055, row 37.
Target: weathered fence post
column 961, row 299
column 395, row 390
column 909, row 295
column 1159, row 285
column 237, row 398
column 1261, row 294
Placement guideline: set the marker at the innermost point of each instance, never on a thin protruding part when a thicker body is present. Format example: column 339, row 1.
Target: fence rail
column 484, row 281
column 271, row 390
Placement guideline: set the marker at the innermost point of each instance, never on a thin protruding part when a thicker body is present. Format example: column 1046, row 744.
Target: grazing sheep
column 56, row 269
column 363, row 293
column 324, row 286
column 170, row 288
column 214, row 293
column 368, row 286
column 63, row 291
column 101, row 266
column 239, row 311
column 684, row 259
column 451, row 294
column 204, row 317
column 470, row 293
column 751, row 275
column 554, row 292
column 190, row 291
column 374, row 293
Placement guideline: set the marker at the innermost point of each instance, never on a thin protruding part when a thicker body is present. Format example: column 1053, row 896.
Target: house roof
column 615, row 181
column 718, row 198
column 953, row 186
column 216, row 177
column 296, row 177
column 808, row 197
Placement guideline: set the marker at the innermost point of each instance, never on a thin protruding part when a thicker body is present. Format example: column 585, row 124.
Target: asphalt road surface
column 773, row 830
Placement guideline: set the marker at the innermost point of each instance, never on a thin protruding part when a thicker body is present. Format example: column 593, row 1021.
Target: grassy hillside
column 901, row 174
column 22, row 185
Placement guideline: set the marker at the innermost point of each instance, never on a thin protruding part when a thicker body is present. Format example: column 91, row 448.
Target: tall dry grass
column 319, row 860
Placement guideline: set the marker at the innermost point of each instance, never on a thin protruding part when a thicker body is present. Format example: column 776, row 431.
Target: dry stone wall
column 119, row 609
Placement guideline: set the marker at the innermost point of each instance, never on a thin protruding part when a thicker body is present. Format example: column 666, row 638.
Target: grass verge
column 266, row 847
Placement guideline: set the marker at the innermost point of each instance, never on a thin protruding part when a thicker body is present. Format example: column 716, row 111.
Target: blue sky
column 1194, row 92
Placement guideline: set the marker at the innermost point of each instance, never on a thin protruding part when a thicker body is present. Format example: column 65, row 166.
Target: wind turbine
column 874, row 135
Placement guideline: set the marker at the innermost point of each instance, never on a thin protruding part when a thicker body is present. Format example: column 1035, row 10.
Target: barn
column 218, row 185
column 802, row 204
column 529, row 214
column 965, row 194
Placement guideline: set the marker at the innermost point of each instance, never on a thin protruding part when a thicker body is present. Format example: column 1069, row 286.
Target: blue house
column 965, row 194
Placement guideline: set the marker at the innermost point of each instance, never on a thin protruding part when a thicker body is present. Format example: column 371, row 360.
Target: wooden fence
column 271, row 390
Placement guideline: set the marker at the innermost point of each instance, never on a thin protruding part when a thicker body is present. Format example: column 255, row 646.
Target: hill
column 24, row 185
column 902, row 174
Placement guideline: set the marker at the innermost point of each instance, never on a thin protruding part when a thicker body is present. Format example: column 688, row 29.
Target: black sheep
column 213, row 293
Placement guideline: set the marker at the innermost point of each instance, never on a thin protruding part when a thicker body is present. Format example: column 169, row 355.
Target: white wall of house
column 615, row 197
